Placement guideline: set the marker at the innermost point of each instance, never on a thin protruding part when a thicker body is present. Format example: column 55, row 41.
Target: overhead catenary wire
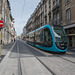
column 22, row 10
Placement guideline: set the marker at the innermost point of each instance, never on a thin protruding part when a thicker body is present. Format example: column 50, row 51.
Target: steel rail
column 28, row 47
column 19, row 62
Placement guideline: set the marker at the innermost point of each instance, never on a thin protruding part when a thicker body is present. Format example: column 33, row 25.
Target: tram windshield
column 59, row 34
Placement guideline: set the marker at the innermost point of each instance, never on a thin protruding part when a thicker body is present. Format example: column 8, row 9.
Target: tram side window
column 38, row 37
column 47, row 38
column 31, row 39
column 27, row 38
column 43, row 37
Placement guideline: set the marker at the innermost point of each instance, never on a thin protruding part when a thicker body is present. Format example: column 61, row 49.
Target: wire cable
column 23, row 10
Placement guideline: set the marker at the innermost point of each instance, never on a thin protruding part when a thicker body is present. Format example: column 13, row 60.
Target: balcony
column 56, row 6
column 57, row 22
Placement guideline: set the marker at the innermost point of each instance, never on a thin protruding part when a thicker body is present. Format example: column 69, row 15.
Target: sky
column 16, row 11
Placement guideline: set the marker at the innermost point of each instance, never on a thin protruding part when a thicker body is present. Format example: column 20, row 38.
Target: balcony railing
column 56, row 6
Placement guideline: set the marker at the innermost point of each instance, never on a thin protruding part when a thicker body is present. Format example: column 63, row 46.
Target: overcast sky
column 16, row 10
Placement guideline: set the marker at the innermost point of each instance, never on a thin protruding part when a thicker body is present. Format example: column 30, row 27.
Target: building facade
column 68, row 20
column 21, row 36
column 13, row 32
column 7, row 19
column 55, row 12
column 24, row 32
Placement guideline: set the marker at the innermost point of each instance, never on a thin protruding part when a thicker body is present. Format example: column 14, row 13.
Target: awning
column 69, row 26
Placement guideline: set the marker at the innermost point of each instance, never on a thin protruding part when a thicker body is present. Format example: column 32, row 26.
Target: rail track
column 19, row 62
column 36, row 54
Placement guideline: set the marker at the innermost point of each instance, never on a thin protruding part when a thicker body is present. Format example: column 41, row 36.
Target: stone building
column 24, row 32
column 68, row 20
column 55, row 12
column 21, row 36
column 7, row 18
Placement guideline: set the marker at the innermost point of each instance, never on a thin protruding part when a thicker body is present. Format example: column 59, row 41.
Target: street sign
column 1, row 23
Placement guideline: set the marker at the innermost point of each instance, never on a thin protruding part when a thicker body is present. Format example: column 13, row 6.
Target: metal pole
column 0, row 42
column 0, row 28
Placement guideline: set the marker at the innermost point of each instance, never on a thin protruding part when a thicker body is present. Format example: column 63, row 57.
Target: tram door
column 47, row 38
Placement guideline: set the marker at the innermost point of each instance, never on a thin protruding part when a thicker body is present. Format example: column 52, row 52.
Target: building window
column 49, row 1
column 3, row 1
column 46, row 8
column 68, row 14
column 3, row 14
column 57, row 1
column 49, row 18
column 46, row 11
column 45, row 5
column 42, row 17
column 54, row 4
column 54, row 19
column 46, row 20
column 58, row 18
column 49, row 8
column 5, row 5
column 67, row 1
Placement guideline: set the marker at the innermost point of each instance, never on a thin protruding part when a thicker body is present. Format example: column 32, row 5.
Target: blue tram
column 49, row 37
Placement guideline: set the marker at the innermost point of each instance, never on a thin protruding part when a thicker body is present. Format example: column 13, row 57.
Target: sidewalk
column 4, row 50
column 71, row 49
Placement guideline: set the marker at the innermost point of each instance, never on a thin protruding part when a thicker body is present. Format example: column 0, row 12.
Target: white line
column 1, row 23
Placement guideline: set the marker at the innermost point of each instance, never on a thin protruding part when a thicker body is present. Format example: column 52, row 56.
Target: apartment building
column 21, row 36
column 55, row 12
column 7, row 18
column 6, row 31
column 68, row 20
column 24, row 32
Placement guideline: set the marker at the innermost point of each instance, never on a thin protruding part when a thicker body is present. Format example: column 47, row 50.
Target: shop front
column 71, row 35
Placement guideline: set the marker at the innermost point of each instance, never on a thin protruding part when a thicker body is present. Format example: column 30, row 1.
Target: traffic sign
column 1, row 23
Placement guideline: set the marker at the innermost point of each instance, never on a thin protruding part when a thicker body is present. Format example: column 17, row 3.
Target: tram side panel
column 43, row 38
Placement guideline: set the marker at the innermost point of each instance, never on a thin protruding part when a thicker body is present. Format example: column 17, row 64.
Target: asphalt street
column 24, row 59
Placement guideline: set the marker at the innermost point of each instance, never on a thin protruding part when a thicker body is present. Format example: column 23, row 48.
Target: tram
column 49, row 37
